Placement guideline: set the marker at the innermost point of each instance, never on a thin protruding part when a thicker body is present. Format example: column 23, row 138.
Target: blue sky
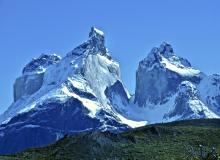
column 29, row 28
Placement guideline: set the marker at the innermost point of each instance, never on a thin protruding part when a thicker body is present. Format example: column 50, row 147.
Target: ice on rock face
column 100, row 72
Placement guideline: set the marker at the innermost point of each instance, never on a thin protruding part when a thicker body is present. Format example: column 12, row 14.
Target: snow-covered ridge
column 96, row 32
column 39, row 65
column 165, row 57
column 179, row 68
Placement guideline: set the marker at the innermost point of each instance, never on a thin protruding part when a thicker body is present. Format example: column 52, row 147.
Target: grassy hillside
column 177, row 140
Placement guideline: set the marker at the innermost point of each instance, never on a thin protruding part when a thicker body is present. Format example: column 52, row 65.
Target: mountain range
column 83, row 91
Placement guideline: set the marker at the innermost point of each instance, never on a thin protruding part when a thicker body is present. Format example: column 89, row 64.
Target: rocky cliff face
column 188, row 105
column 33, row 75
column 159, row 75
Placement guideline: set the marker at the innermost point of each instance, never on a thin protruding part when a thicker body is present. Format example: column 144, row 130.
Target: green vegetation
column 193, row 140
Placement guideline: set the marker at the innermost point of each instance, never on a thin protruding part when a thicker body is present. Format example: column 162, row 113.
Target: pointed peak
column 95, row 32
column 166, row 49
column 165, row 53
column 94, row 45
column 97, row 41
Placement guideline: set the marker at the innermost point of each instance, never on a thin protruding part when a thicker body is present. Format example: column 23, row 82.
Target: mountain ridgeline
column 83, row 91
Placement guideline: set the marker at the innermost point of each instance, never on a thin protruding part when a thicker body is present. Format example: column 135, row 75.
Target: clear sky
column 31, row 27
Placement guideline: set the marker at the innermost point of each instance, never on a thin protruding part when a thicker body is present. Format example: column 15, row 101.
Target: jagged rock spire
column 97, row 40
column 95, row 32
column 166, row 47
column 94, row 45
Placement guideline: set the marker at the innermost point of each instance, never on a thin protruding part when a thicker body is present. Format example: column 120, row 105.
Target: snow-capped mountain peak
column 66, row 95
column 94, row 45
column 97, row 40
column 168, row 84
column 160, row 73
column 166, row 50
column 95, row 32
column 165, row 57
